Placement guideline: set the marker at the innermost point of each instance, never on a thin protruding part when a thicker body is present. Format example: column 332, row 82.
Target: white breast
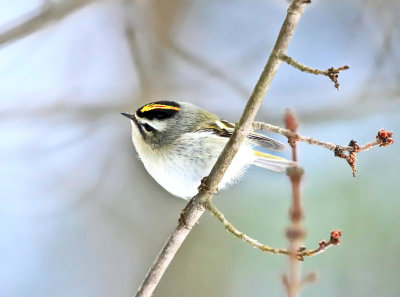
column 180, row 167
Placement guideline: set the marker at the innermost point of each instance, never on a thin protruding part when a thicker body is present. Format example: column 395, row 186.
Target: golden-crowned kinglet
column 179, row 143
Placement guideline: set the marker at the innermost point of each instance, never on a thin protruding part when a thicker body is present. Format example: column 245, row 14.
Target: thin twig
column 232, row 229
column 194, row 210
column 50, row 12
column 383, row 138
column 332, row 73
column 309, row 140
column 300, row 254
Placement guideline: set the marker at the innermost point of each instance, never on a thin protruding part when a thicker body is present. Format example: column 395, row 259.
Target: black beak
column 129, row 116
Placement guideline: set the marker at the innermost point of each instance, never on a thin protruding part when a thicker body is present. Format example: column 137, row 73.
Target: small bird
column 179, row 143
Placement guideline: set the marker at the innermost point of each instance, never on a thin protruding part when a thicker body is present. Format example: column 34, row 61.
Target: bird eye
column 148, row 128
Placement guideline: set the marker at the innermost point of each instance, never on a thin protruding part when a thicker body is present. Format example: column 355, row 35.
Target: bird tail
column 271, row 162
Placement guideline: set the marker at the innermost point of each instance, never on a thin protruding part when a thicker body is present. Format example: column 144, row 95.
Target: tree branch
column 48, row 14
column 383, row 138
column 195, row 209
column 299, row 254
column 332, row 73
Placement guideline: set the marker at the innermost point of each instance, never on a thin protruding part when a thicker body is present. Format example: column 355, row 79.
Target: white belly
column 180, row 168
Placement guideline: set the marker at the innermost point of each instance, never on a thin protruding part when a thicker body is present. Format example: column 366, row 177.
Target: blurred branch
column 383, row 138
column 131, row 37
column 195, row 208
column 165, row 16
column 332, row 73
column 352, row 109
column 295, row 232
column 49, row 13
column 386, row 21
column 201, row 63
column 384, row 55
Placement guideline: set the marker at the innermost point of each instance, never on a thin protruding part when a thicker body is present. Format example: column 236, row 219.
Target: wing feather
column 225, row 129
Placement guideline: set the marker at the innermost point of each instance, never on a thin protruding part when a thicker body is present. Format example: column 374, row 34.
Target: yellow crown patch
column 152, row 106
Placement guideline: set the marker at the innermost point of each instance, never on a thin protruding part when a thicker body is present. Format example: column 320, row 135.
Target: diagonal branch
column 195, row 209
column 48, row 14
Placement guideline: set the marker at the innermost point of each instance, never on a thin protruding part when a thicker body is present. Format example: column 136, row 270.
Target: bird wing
column 225, row 129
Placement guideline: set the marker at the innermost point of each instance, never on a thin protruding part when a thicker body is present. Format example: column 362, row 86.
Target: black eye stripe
column 148, row 128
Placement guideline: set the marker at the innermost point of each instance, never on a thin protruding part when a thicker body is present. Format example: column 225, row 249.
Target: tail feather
column 271, row 162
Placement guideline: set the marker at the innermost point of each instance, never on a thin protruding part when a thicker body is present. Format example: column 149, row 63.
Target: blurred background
column 80, row 216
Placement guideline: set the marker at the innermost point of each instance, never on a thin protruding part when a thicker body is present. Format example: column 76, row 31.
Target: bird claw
column 202, row 185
